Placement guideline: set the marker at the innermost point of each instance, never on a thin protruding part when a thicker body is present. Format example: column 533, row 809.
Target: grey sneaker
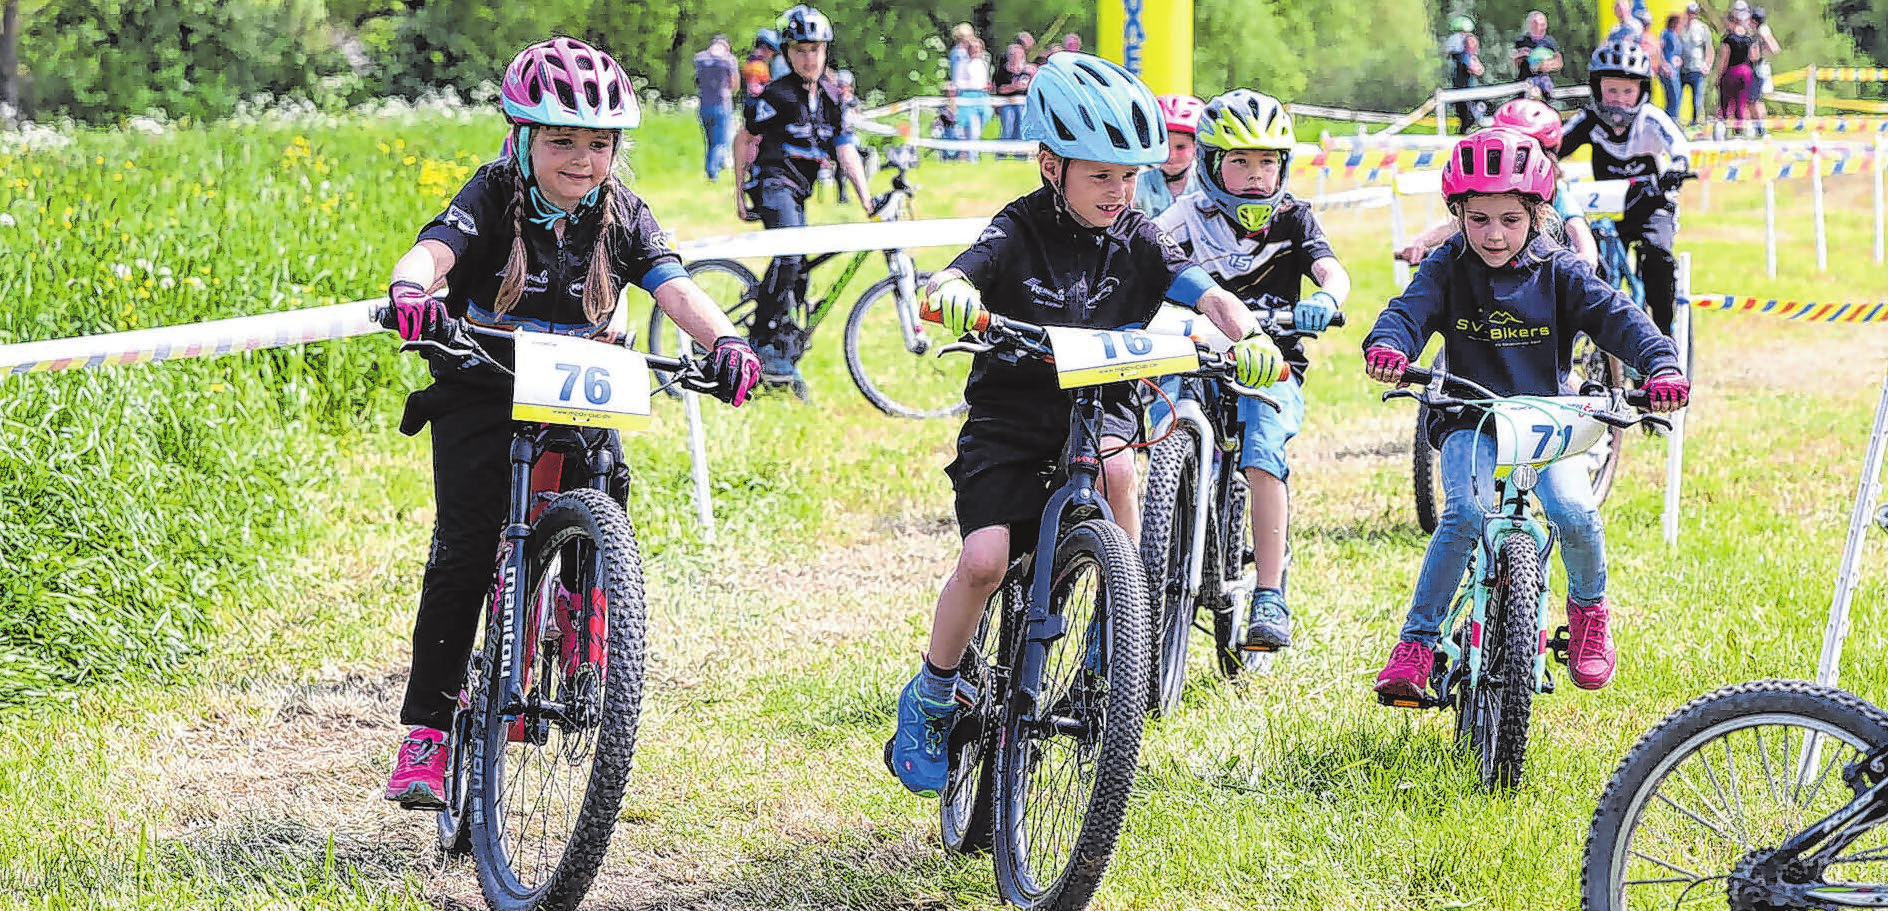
column 1268, row 624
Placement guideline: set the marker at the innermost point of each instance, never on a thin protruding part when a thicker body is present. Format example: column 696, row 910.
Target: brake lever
column 966, row 347
column 1656, row 421
column 1402, row 394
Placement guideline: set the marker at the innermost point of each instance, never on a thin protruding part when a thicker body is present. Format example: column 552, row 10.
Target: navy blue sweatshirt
column 1511, row 328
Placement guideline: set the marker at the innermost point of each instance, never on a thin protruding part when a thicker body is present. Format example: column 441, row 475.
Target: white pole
column 1809, row 99
column 1442, row 116
column 1770, row 227
column 1828, row 668
column 1675, row 441
column 1815, row 189
column 1396, row 234
column 1881, row 164
column 698, row 459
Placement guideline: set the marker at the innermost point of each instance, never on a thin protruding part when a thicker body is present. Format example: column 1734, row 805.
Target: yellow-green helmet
column 1244, row 119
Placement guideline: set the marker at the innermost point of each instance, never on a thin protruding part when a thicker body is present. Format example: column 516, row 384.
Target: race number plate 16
column 567, row 380
column 1089, row 357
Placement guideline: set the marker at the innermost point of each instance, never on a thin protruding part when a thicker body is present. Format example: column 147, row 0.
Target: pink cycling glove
column 1385, row 364
column 1668, row 391
column 415, row 314
column 735, row 368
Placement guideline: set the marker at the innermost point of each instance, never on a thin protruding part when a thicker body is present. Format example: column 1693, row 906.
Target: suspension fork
column 508, row 604
column 1188, row 412
column 905, row 283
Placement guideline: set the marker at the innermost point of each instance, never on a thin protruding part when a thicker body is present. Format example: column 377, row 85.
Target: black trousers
column 1651, row 234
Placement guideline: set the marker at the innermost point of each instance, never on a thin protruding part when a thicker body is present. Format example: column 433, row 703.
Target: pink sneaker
column 1590, row 655
column 419, row 775
column 1407, row 674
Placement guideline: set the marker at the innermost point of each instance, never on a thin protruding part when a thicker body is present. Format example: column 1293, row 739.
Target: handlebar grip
column 1638, row 399
column 382, row 314
column 1419, row 375
column 1338, row 320
column 932, row 313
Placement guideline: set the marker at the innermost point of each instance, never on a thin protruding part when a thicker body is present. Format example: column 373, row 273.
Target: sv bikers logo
column 1076, row 297
column 1503, row 328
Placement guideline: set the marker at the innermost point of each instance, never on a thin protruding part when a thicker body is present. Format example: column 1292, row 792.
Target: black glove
column 1644, row 192
column 1670, row 181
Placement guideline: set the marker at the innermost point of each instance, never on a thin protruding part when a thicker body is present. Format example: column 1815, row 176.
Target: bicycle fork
column 905, row 280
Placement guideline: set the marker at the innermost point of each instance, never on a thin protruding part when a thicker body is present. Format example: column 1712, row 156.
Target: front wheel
column 549, row 771
column 901, row 376
column 1425, row 473
column 1591, row 365
column 1492, row 715
column 1168, row 506
column 1065, row 765
column 1741, row 769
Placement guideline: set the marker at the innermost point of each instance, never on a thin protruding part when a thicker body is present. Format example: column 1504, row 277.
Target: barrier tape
column 1807, row 311
column 192, row 340
column 1834, row 74
column 1806, row 125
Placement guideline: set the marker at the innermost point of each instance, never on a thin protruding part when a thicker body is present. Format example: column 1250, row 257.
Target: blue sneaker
column 776, row 366
column 918, row 752
column 1268, row 624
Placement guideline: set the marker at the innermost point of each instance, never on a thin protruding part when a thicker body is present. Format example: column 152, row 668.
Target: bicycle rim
column 894, row 378
column 454, row 822
column 547, row 783
column 1064, row 773
column 1591, row 365
column 1746, row 767
column 727, row 283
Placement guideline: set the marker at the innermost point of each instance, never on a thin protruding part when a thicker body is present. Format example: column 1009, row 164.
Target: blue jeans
column 1009, row 120
column 1674, row 87
column 779, row 207
column 973, row 111
column 714, row 126
column 1695, row 79
column 1565, row 495
column 1266, row 431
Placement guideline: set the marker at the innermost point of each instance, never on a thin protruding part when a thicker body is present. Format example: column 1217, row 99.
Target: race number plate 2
column 1174, row 319
column 576, row 381
column 1090, row 357
column 1602, row 198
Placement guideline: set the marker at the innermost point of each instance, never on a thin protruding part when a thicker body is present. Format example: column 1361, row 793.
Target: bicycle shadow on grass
column 867, row 869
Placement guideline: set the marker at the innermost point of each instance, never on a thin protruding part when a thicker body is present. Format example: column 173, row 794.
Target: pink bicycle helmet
column 1498, row 161
column 1532, row 118
column 1182, row 112
column 564, row 82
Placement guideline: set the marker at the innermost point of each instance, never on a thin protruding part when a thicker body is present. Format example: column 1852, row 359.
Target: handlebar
column 1433, row 379
column 1282, row 321
column 458, row 339
column 1033, row 340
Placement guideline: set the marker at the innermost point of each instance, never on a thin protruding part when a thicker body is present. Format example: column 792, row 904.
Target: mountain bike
column 886, row 344
column 541, row 741
column 1195, row 540
column 1053, row 687
column 1492, row 659
column 1764, row 795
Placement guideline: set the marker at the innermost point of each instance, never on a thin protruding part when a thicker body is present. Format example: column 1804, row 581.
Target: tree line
column 102, row 60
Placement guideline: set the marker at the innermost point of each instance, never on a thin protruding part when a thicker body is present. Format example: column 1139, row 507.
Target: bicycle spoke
column 1687, row 813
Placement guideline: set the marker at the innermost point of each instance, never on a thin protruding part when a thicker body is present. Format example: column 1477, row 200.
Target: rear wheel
column 1425, row 473
column 1167, row 510
column 1492, row 716
column 1065, row 768
column 548, row 773
column 727, row 283
column 903, row 378
column 455, row 830
column 1743, row 768
column 1591, row 365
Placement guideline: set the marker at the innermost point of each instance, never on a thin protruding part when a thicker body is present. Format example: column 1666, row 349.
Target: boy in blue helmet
column 1073, row 253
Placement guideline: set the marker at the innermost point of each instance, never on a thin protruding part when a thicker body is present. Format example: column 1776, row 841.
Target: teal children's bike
column 1492, row 659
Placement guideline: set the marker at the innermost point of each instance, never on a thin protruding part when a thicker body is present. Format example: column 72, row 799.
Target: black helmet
column 804, row 23
column 1623, row 58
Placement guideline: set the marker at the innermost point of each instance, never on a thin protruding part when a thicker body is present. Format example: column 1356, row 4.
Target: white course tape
column 191, row 340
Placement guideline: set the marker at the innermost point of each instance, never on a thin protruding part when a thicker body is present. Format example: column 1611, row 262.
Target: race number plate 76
column 567, row 380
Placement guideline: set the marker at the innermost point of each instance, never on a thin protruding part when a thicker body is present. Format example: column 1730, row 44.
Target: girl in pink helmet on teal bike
column 1508, row 301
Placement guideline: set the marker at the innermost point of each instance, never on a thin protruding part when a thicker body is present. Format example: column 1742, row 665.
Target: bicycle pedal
column 1559, row 644
column 1422, row 701
column 1547, row 682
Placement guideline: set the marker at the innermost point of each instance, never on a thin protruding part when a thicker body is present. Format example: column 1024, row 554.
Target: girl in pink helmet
column 1507, row 302
column 1159, row 186
column 1539, row 120
column 542, row 240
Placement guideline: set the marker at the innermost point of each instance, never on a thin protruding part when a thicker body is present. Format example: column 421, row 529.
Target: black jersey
column 1652, row 145
column 799, row 130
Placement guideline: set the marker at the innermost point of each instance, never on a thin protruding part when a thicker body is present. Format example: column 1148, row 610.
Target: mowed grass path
column 253, row 781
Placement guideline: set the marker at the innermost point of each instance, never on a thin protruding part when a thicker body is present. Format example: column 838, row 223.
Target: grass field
column 244, row 770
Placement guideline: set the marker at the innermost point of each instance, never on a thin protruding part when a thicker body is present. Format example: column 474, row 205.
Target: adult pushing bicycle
column 540, row 745
column 886, row 345
column 1492, row 659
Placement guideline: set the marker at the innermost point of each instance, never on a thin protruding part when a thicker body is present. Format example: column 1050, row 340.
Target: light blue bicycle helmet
column 1086, row 108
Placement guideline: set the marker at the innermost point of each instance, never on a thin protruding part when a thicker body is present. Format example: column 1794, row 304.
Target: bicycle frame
column 897, row 262
column 1219, row 450
column 1615, row 259
column 1511, row 517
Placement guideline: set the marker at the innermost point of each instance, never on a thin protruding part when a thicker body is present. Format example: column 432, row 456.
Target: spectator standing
column 1733, row 72
column 1536, row 55
column 849, row 118
column 1012, row 85
column 1671, row 62
column 1765, row 49
column 1700, row 52
column 970, row 76
column 716, row 75
column 1028, row 42
column 1465, row 68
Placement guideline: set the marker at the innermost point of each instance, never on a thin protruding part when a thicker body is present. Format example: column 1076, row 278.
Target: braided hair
column 599, row 288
